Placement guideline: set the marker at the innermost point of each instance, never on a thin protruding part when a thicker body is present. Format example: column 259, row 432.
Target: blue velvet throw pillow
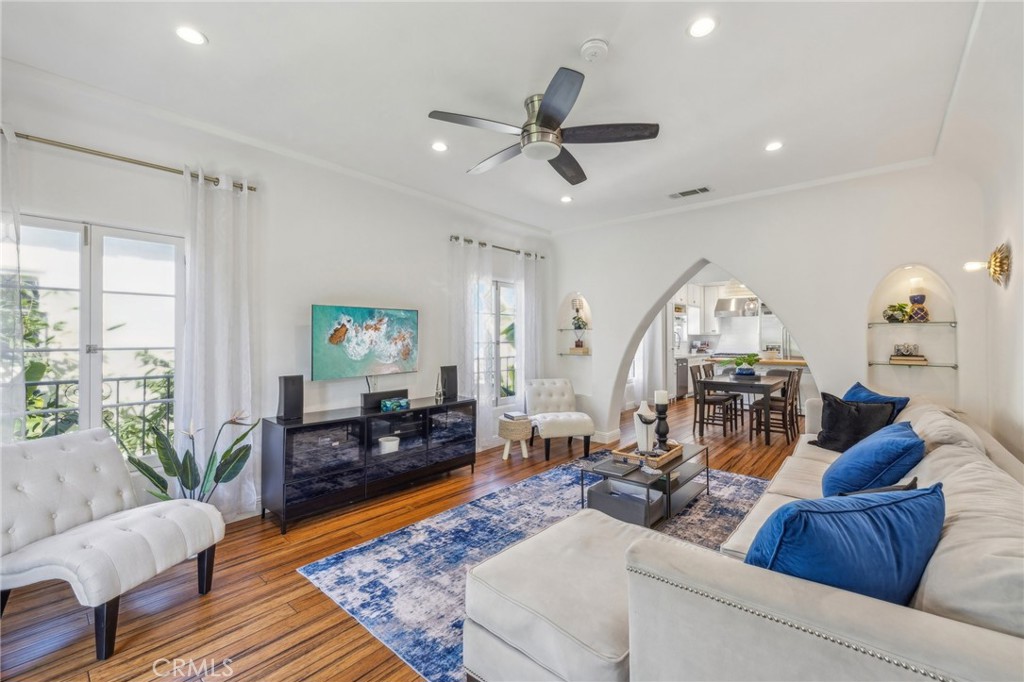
column 881, row 459
column 877, row 545
column 859, row 393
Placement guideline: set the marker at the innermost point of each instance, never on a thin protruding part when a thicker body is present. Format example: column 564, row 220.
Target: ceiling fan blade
column 492, row 161
column 610, row 132
column 558, row 99
column 568, row 167
column 476, row 122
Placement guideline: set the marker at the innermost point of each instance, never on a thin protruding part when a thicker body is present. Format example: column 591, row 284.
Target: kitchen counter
column 783, row 363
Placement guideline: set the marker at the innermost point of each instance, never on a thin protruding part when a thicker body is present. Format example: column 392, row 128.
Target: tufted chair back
column 549, row 395
column 53, row 484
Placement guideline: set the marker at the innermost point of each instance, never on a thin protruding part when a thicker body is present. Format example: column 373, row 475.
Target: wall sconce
column 998, row 265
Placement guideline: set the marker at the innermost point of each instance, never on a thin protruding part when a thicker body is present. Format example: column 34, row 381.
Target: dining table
column 759, row 385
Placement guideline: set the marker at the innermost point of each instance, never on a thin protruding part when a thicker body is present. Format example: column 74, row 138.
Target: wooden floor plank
column 269, row 620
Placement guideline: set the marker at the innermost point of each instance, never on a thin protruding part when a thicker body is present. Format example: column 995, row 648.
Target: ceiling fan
column 542, row 136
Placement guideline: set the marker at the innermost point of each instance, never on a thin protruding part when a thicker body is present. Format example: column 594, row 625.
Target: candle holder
column 661, row 428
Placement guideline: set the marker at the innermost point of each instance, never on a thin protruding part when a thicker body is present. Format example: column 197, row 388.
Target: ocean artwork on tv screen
column 354, row 342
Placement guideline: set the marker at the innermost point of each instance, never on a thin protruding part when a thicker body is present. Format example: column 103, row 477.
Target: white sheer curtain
column 650, row 370
column 529, row 281
column 471, row 301
column 12, row 342
column 214, row 378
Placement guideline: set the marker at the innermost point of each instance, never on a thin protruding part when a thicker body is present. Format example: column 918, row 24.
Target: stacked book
column 517, row 416
column 908, row 360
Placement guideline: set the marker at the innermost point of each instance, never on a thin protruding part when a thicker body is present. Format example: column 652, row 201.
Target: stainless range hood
column 736, row 307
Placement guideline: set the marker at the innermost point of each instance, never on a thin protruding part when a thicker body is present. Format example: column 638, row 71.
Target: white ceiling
column 847, row 86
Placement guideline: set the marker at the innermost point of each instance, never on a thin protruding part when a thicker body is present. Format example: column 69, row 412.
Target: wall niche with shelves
column 918, row 356
column 573, row 341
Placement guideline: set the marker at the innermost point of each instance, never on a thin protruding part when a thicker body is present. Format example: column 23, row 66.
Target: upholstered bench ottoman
column 554, row 605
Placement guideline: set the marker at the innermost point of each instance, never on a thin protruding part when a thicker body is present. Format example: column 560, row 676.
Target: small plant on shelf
column 897, row 312
column 578, row 322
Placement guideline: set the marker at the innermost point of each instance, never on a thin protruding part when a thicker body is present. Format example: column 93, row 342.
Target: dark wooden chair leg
column 547, row 448
column 533, row 432
column 586, row 445
column 4, row 596
column 204, row 562
column 105, row 617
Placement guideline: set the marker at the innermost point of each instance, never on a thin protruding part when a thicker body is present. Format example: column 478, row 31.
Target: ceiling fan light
column 702, row 27
column 566, row 199
column 541, row 150
column 773, row 146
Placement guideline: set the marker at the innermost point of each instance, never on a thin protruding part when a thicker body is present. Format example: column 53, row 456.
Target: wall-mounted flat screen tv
column 355, row 342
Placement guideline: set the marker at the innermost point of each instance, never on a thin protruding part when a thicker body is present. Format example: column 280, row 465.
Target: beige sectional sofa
column 592, row 598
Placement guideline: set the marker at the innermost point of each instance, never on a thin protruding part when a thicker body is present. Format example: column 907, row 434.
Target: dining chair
column 718, row 407
column 738, row 399
column 782, row 410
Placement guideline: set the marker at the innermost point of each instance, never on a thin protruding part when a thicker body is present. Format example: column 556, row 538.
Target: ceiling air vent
column 689, row 193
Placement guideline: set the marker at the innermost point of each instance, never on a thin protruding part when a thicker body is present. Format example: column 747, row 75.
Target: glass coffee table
column 679, row 480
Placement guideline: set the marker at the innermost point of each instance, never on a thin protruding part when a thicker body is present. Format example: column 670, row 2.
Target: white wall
column 817, row 254
column 985, row 137
column 323, row 236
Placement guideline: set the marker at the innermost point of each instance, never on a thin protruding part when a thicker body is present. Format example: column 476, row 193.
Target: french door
column 102, row 313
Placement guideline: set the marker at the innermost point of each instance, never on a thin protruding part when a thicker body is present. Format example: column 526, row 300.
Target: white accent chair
column 551, row 404
column 70, row 513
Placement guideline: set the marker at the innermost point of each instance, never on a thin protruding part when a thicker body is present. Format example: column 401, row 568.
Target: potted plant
column 195, row 485
column 897, row 312
column 578, row 325
column 744, row 363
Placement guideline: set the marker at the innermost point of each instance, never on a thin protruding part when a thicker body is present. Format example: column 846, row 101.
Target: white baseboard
column 606, row 436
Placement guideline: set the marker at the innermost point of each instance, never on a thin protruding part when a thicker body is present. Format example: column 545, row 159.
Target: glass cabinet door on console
column 452, row 433
column 387, row 459
column 324, row 460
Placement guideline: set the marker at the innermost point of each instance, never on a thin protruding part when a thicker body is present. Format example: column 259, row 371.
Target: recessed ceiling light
column 773, row 146
column 439, row 146
column 702, row 27
column 190, row 35
column 566, row 199
column 908, row 267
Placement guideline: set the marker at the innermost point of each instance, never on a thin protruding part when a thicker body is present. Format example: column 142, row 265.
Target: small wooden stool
column 514, row 429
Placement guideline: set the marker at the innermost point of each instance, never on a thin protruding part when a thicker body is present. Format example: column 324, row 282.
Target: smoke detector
column 594, row 50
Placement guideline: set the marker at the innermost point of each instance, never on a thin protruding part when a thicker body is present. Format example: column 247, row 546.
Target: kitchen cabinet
column 709, row 323
column 694, row 295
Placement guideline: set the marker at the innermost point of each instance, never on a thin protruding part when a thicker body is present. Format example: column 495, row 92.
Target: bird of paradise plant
column 220, row 467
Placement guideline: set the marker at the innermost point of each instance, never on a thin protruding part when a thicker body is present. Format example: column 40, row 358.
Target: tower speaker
column 450, row 382
column 289, row 397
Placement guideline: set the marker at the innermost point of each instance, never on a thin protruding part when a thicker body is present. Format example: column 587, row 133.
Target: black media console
column 329, row 459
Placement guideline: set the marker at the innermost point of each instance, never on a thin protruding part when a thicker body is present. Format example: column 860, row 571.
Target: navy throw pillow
column 876, row 545
column 844, row 423
column 859, row 393
column 881, row 459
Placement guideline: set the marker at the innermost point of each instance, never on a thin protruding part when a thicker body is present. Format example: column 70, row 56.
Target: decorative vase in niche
column 918, row 311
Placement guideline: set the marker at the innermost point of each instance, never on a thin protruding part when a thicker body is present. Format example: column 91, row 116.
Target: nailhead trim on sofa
column 796, row 626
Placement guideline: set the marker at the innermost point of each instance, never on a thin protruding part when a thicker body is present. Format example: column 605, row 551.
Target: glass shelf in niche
column 903, row 325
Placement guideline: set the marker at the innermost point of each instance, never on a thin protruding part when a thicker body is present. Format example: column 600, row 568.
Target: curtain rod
column 118, row 157
column 467, row 240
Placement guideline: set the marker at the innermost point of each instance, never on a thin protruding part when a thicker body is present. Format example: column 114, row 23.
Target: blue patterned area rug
column 408, row 587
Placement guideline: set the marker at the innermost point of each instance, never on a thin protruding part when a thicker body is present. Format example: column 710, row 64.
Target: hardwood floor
column 263, row 621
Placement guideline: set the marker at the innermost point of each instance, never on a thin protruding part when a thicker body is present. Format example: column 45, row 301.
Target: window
column 102, row 313
column 495, row 363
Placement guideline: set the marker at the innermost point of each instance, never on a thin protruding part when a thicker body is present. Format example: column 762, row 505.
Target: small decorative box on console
column 394, row 404
column 373, row 402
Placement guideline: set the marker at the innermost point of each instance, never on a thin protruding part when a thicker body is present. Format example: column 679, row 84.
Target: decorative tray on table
column 631, row 454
